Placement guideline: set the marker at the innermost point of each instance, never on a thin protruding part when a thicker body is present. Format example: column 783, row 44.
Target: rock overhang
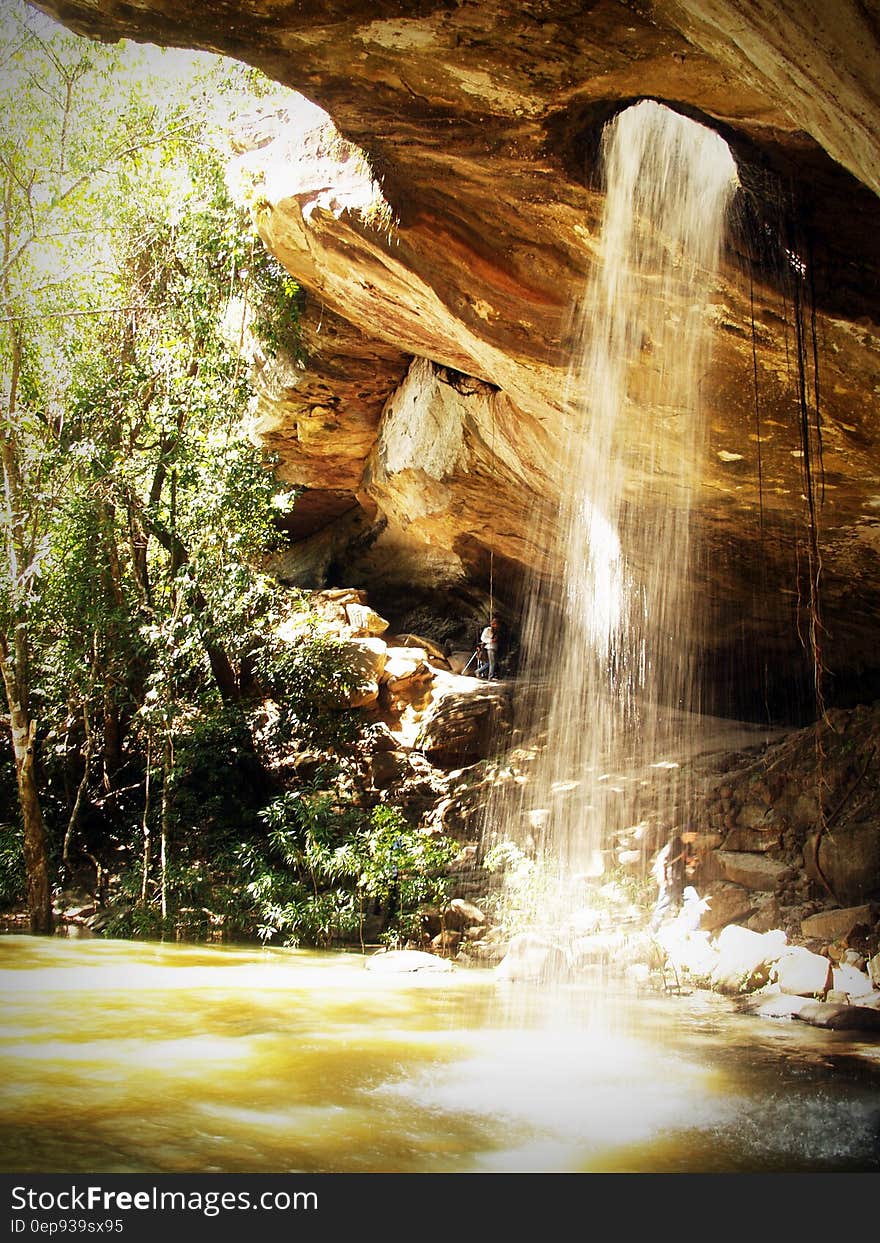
column 483, row 122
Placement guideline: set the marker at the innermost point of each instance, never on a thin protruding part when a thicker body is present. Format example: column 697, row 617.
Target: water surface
column 126, row 1057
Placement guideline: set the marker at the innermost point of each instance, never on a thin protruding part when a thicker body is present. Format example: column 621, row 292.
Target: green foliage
column 209, row 798
column 320, row 868
column 312, row 681
column 138, row 505
column 326, row 866
column 12, row 874
column 214, row 803
column 278, row 303
column 142, row 509
column 530, row 883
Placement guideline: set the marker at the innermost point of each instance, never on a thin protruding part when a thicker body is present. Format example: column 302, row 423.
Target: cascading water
column 609, row 627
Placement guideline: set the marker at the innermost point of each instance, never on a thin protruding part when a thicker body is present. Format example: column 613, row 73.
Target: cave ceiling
column 433, row 392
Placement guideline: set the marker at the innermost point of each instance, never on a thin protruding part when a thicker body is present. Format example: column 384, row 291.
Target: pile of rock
column 783, row 980
column 771, row 855
column 762, row 971
column 407, row 686
column 770, row 860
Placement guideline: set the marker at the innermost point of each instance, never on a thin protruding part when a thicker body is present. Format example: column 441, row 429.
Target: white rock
column 362, row 617
column 532, row 957
column 849, row 980
column 695, row 955
column 745, row 957
column 874, row 969
column 467, row 912
column 398, row 962
column 802, row 973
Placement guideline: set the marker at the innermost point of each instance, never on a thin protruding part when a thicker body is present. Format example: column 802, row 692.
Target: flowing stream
column 611, row 660
column 123, row 1057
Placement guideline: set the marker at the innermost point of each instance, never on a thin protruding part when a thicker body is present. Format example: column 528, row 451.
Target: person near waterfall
column 669, row 872
column 489, row 640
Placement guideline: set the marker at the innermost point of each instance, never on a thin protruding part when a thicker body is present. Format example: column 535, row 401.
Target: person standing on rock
column 489, row 639
column 669, row 871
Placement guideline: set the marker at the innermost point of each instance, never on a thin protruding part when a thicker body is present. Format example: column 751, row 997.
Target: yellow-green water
column 122, row 1057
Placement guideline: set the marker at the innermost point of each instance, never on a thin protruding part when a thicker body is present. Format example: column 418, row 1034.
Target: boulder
column 753, row 839
column 848, row 861
column 758, row 816
column 831, row 924
column 387, row 767
column 727, row 903
column 849, row 980
column 332, row 604
column 427, row 646
column 752, row 871
column 407, row 676
column 745, row 958
column 405, row 962
column 366, row 695
column 840, row 1018
column 771, row 1004
column 464, row 914
column 366, row 656
column 461, row 728
column 402, row 662
column 381, row 738
column 802, row 973
column 694, row 954
column 702, row 843
column 767, row 915
column 365, row 620
column 534, row 958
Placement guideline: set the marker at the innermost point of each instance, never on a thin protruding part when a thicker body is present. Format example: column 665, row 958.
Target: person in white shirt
column 489, row 639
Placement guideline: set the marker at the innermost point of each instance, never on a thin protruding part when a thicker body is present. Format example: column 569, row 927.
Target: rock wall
column 438, row 325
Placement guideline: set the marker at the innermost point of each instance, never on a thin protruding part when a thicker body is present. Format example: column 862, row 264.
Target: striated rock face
column 438, row 328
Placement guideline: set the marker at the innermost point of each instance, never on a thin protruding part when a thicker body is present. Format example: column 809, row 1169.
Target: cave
column 482, row 124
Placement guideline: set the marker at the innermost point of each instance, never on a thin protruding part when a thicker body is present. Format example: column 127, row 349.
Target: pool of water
column 123, row 1057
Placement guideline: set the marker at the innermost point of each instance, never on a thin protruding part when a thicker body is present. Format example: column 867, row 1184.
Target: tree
column 149, row 687
column 115, row 383
column 21, row 559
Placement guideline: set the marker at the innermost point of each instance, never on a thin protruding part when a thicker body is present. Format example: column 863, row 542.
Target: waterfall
column 610, row 625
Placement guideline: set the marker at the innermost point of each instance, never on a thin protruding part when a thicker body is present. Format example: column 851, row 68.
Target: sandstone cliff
column 438, row 331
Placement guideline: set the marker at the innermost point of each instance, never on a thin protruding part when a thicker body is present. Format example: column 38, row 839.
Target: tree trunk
column 165, row 829
column 15, row 657
column 36, row 852
column 36, row 848
column 148, row 843
column 80, row 795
